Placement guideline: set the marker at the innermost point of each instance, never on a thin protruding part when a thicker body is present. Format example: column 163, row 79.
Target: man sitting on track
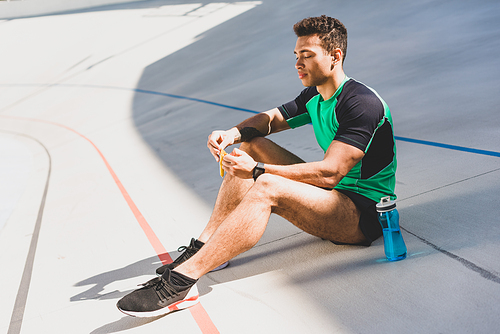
column 333, row 199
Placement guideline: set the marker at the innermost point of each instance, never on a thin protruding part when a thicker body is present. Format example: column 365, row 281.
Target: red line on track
column 203, row 319
column 198, row 312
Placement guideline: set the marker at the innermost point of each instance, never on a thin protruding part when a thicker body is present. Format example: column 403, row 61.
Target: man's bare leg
column 233, row 189
column 230, row 195
column 324, row 213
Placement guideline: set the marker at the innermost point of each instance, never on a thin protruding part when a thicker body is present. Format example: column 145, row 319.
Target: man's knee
column 266, row 188
column 266, row 181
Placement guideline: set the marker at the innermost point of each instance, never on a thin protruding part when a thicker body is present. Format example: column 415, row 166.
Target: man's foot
column 188, row 251
column 170, row 292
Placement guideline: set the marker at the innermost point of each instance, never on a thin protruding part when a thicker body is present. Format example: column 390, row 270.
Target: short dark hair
column 331, row 32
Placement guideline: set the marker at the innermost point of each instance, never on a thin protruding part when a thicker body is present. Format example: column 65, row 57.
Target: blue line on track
column 194, row 99
column 450, row 147
column 174, row 96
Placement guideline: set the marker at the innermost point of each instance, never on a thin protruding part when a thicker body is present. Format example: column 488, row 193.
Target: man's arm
column 260, row 125
column 339, row 159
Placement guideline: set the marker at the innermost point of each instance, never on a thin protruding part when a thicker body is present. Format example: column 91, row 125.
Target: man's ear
column 336, row 55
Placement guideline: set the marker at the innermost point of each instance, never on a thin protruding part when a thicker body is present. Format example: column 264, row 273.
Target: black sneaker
column 188, row 251
column 170, row 292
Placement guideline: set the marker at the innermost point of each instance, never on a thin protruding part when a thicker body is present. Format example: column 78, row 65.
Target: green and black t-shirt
column 358, row 116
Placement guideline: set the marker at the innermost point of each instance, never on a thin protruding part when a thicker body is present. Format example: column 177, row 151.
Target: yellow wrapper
column 222, row 154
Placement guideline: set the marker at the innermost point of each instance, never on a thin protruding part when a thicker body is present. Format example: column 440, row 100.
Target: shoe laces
column 163, row 289
column 188, row 251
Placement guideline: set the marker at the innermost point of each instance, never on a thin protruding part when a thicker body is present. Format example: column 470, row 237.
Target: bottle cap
column 386, row 204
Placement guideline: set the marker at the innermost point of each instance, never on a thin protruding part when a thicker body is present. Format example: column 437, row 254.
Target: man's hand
column 239, row 164
column 219, row 140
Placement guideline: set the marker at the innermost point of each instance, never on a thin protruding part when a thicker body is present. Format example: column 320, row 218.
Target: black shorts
column 368, row 221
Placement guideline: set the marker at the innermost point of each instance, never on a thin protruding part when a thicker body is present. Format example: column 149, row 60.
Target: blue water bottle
column 388, row 216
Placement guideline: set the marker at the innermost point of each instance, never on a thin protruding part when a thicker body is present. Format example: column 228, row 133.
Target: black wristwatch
column 258, row 170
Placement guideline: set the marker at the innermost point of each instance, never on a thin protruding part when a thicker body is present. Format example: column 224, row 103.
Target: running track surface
column 128, row 101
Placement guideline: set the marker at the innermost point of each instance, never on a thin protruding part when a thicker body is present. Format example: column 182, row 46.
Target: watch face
column 258, row 170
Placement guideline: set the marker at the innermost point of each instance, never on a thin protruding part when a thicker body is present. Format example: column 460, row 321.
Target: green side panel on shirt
column 376, row 187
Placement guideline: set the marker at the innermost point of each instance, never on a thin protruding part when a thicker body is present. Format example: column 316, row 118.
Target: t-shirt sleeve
column 295, row 111
column 360, row 118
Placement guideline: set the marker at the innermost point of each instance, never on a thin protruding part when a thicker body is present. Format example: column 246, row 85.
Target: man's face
column 313, row 62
